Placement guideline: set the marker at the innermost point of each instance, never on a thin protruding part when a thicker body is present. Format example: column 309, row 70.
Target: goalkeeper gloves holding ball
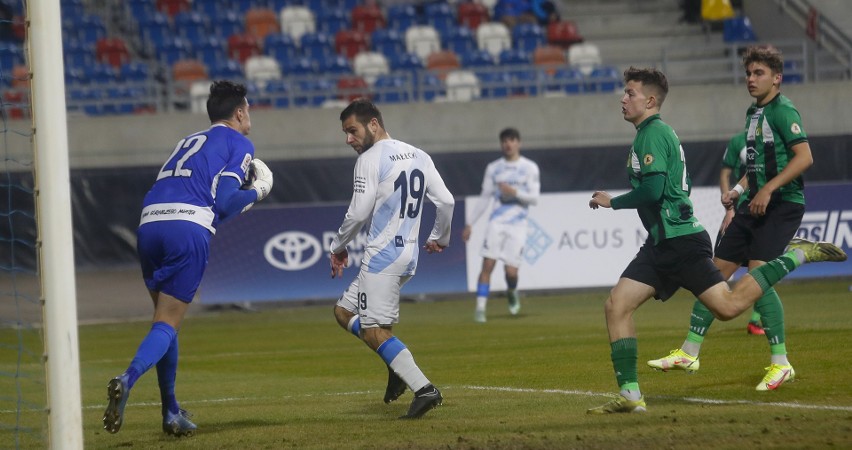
column 260, row 178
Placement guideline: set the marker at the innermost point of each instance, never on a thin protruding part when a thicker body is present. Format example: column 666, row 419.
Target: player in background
column 391, row 182
column 197, row 188
column 678, row 251
column 510, row 185
column 777, row 153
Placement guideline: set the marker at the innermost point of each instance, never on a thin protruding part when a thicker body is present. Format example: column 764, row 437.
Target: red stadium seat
column 112, row 51
column 350, row 42
column 471, row 14
column 550, row 57
column 563, row 34
column 261, row 22
column 367, row 18
column 189, row 70
column 352, row 87
column 442, row 62
column 172, row 7
column 242, row 46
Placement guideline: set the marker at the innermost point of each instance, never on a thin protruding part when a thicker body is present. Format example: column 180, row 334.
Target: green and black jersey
column 735, row 159
column 771, row 132
column 656, row 150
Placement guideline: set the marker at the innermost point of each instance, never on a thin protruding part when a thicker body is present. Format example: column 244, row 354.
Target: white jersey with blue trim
column 392, row 180
column 523, row 175
column 186, row 185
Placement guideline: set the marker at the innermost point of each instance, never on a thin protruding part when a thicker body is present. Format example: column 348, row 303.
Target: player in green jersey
column 776, row 154
column 678, row 251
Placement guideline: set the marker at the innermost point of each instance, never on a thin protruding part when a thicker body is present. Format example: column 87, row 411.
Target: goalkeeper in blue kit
column 210, row 176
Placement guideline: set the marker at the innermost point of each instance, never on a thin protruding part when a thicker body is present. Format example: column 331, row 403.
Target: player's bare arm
column 801, row 161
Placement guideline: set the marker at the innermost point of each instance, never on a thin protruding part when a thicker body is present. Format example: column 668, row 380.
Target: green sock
column 773, row 271
column 772, row 314
column 699, row 322
column 755, row 316
column 625, row 354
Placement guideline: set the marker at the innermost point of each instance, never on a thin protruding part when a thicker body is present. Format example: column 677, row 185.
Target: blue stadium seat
column 229, row 69
column 459, row 39
column 119, row 100
column 387, row 42
column 74, row 77
column 334, row 65
column 280, row 46
column 211, row 50
column 332, row 20
column 71, row 8
column 134, row 71
column 441, row 16
column 793, row 72
column 390, row 88
column 86, row 99
column 494, row 84
column 299, row 66
column 173, row 49
column 527, row 36
column 477, row 59
column 514, row 56
column 738, row 29
column 91, row 28
column 317, row 45
column 75, row 54
column 405, row 61
column 212, row 8
column 100, row 74
column 313, row 92
column 12, row 54
column 192, row 25
column 139, row 9
column 567, row 79
column 278, row 90
column 429, row 86
column 603, row 79
column 401, row 16
column 227, row 24
column 525, row 82
column 155, row 30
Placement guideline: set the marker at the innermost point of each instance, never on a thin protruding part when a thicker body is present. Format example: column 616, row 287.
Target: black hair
column 364, row 111
column 225, row 97
column 510, row 133
column 649, row 77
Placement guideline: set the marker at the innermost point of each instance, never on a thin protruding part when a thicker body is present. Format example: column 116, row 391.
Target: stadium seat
column 155, row 30
column 332, row 20
column 261, row 22
column 459, row 39
column 242, row 6
column 440, row 15
column 478, row 59
column 192, row 25
column 100, row 74
column 134, row 71
column 298, row 67
column 494, row 83
column 211, row 50
column 173, row 7
column 350, row 42
column 392, row 89
column 15, row 103
column 563, row 33
column 137, row 10
column 112, row 51
column 210, row 8
column 313, row 91
column 189, row 70
column 227, row 69
column 527, row 36
column 493, row 37
column 550, row 58
column 567, row 79
column 334, row 65
column 793, row 72
column 525, row 82
column 90, row 28
column 442, row 62
column 87, row 100
column 603, row 79
column 738, row 29
column 199, row 91
column 387, row 42
column 173, row 49
column 401, row 16
column 280, row 46
column 515, row 57
column 75, row 53
column 20, row 77
column 471, row 14
column 278, row 92
column 405, row 61
column 243, row 46
column 422, row 40
column 585, row 56
column 261, row 69
column 227, row 24
column 462, row 86
column 429, row 87
column 370, row 65
column 317, row 45
column 351, row 87
column 297, row 21
column 367, row 18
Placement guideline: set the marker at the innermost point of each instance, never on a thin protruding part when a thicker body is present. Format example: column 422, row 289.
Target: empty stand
column 527, row 36
column 585, row 57
column 550, row 58
column 422, row 40
column 297, row 21
column 462, row 86
column 260, row 69
column 401, row 16
column 261, row 22
column 350, row 42
column 471, row 14
column 242, row 46
column 563, row 33
column 189, row 70
column 493, row 37
column 387, row 42
column 367, row 18
column 173, row 7
column 112, row 51
column 370, row 65
column 442, row 62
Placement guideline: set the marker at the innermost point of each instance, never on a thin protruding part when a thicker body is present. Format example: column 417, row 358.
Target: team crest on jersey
column 648, row 159
column 246, row 162
column 795, row 128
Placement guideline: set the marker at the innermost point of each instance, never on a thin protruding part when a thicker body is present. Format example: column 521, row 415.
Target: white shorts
column 375, row 298
column 505, row 243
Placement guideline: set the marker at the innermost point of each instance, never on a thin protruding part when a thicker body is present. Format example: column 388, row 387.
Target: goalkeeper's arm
column 231, row 200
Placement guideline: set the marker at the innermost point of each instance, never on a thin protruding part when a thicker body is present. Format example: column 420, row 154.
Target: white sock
column 692, row 348
column 632, row 395
column 779, row 359
column 407, row 369
column 481, row 302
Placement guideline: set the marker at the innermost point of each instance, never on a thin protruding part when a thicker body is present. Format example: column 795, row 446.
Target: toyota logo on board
column 292, row 250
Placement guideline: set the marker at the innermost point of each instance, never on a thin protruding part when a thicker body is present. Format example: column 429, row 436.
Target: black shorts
column 683, row 261
column 750, row 238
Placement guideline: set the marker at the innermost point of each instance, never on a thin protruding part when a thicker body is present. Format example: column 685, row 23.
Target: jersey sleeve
column 241, row 154
column 532, row 187
column 365, row 184
column 654, row 153
column 486, row 196
column 731, row 157
column 788, row 122
column 437, row 193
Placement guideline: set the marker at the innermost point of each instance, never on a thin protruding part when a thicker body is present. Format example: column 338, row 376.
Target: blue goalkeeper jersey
column 186, row 185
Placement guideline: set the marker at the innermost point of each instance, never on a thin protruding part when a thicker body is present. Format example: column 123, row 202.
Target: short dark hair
column 764, row 54
column 649, row 77
column 364, row 111
column 225, row 97
column 510, row 133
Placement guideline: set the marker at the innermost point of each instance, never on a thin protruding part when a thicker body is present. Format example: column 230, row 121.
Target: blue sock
column 166, row 374
column 355, row 326
column 389, row 349
column 150, row 351
column 482, row 289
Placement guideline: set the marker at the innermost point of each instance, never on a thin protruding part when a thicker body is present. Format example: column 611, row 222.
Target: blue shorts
column 173, row 255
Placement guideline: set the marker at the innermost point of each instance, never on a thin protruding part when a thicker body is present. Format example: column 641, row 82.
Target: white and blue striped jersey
column 186, row 185
column 523, row 175
column 391, row 181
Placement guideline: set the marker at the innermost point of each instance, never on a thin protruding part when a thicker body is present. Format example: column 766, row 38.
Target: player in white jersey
column 198, row 187
column 511, row 184
column 392, row 180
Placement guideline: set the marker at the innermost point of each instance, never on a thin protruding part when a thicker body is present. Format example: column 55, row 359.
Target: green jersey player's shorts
column 682, row 261
column 750, row 238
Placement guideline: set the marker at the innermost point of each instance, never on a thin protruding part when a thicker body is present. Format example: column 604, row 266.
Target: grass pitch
column 290, row 378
